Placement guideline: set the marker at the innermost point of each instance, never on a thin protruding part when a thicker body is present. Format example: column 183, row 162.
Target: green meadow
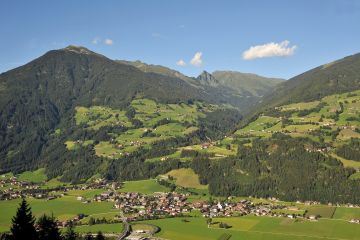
column 256, row 228
column 143, row 186
column 177, row 120
column 186, row 177
column 63, row 208
column 33, row 176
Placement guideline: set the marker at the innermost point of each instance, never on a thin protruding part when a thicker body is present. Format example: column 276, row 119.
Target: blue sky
column 304, row 34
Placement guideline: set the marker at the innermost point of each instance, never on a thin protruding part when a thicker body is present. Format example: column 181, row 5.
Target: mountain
column 246, row 83
column 241, row 90
column 307, row 129
column 151, row 68
column 207, row 79
column 38, row 97
column 336, row 77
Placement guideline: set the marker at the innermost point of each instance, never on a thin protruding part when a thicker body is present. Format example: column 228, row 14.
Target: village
column 135, row 206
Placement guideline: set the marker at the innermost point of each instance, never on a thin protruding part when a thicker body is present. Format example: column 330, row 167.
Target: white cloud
column 269, row 50
column 181, row 63
column 197, row 60
column 96, row 40
column 108, row 41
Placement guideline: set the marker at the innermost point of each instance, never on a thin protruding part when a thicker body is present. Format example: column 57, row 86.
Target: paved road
column 126, row 227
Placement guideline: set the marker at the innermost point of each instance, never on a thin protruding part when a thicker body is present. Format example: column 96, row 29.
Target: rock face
column 206, row 78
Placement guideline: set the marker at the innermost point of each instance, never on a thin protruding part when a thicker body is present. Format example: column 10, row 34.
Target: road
column 126, row 227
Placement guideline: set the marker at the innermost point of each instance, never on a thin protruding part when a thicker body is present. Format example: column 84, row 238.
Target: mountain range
column 78, row 113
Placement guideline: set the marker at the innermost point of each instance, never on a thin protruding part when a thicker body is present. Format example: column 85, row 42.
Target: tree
column 70, row 234
column 47, row 228
column 91, row 221
column 23, row 223
column 100, row 236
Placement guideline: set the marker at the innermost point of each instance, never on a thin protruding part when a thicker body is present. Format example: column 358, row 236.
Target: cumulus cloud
column 272, row 49
column 197, row 60
column 181, row 63
column 108, row 41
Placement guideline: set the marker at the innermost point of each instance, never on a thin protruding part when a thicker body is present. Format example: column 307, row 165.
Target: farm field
column 145, row 123
column 186, row 177
column 254, row 228
column 321, row 210
column 333, row 120
column 62, row 208
column 143, row 186
column 33, row 176
column 105, row 228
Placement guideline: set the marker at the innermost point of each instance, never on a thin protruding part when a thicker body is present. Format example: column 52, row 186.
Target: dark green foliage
column 41, row 96
column 316, row 109
column 280, row 167
column 218, row 123
column 47, row 228
column 338, row 77
column 70, row 233
column 99, row 236
column 23, row 223
column 5, row 236
column 350, row 151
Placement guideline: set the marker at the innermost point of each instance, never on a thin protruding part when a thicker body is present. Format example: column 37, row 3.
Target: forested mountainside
column 79, row 114
column 42, row 96
column 339, row 76
column 300, row 151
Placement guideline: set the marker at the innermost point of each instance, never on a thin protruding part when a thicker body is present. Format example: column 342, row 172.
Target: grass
column 347, row 163
column 321, row 210
column 186, row 177
column 355, row 176
column 105, row 228
column 149, row 113
column 143, row 186
column 346, row 213
column 264, row 126
column 139, row 226
column 36, row 176
column 256, row 228
column 63, row 208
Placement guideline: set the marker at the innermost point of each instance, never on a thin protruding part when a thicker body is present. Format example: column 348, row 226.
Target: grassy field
column 105, row 228
column 186, row 177
column 346, row 213
column 143, row 186
column 310, row 119
column 63, row 208
column 177, row 120
column 256, row 228
column 34, row 176
column 321, row 210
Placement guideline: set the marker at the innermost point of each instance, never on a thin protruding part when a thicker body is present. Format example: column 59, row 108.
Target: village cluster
column 136, row 206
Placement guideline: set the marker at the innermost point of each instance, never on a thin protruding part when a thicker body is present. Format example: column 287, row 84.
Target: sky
column 270, row 38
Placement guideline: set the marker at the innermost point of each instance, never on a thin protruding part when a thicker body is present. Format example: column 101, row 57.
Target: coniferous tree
column 23, row 223
column 70, row 234
column 48, row 228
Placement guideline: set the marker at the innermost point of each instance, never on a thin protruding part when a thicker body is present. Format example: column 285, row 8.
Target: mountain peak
column 78, row 49
column 207, row 79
